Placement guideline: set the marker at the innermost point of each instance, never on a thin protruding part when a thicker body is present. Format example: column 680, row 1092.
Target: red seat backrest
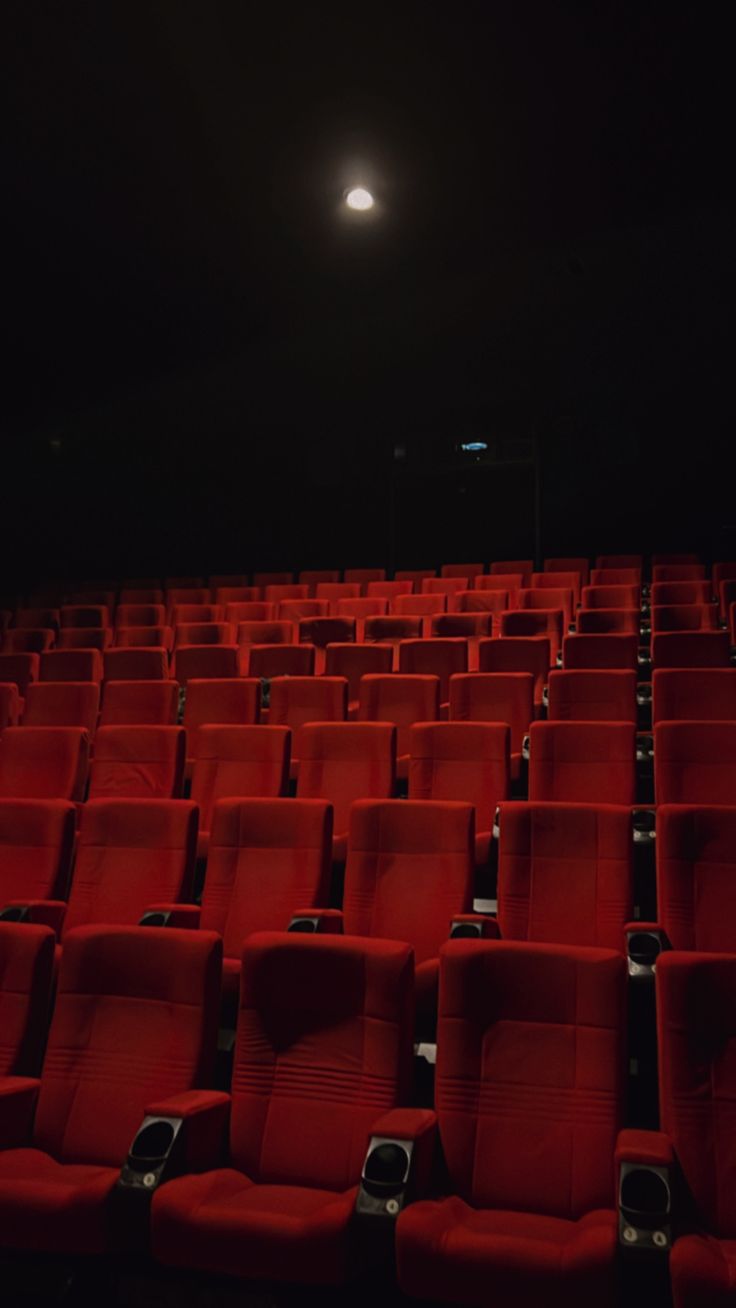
column 401, row 700
column 696, row 876
column 345, row 761
column 138, row 762
column 592, row 695
column 409, row 871
column 694, row 762
column 494, row 697
column 26, row 971
column 565, row 873
column 43, row 763
column 250, row 761
column 466, row 761
column 133, row 703
column 89, row 1106
column 36, row 846
column 131, row 854
column 583, row 762
column 267, row 859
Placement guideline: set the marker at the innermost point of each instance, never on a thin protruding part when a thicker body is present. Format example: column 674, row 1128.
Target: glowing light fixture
column 474, row 447
column 359, row 198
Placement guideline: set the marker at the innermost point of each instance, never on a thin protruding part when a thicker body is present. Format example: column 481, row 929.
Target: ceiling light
column 359, row 198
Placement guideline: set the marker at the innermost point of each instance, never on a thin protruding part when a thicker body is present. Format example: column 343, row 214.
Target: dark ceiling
column 173, row 174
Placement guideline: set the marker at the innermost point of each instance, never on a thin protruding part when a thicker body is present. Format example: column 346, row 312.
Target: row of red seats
column 443, row 656
column 565, row 870
column 569, row 761
column 315, row 1134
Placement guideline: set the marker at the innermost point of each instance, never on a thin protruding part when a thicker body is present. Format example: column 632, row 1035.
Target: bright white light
column 359, row 198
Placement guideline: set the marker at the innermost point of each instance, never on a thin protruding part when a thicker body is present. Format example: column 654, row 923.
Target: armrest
column 645, row 1166
column 398, row 1162
column 644, row 746
column 18, row 1095
column 40, row 912
column 645, row 941
column 173, row 915
column 181, row 1134
column 322, row 920
column 477, row 926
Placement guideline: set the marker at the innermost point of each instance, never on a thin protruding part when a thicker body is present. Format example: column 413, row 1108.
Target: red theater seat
column 472, row 626
column 529, row 1083
column 292, row 610
column 360, row 609
column 268, row 859
column 132, row 854
column 577, row 564
column 549, row 623
column 414, row 575
column 681, row 592
column 401, row 700
column 296, row 700
column 613, row 650
column 26, row 971
column 558, row 581
column 354, row 662
column 695, row 694
column 608, row 622
column 187, row 595
column 565, row 873
column 481, row 601
column 72, row 665
column 144, row 637
column 423, row 607
column 332, row 591
column 364, row 576
column 435, row 658
column 696, row 1016
column 205, row 661
column 19, row 669
column 238, row 762
column 140, row 615
column 36, row 846
column 694, row 762
column 136, row 665
column 62, row 704
column 203, row 633
column 388, row 590
column 38, row 618
column 391, row 629
column 409, row 872
column 216, row 701
column 135, row 703
column 583, row 762
column 250, row 611
column 511, row 582
column 321, row 632
column 345, row 761
column 615, row 577
column 549, row 598
column 684, row 617
column 313, row 577
column 689, row 649
column 517, row 654
column 28, row 640
column 611, row 597
column 43, row 763
column 265, row 633
column 85, row 615
column 466, row 761
column 228, row 595
column 507, row 567
column 268, row 661
column 102, row 1071
column 322, row 1054
column 138, row 762
column 444, row 585
column 275, row 594
column 678, row 572
column 696, row 876
column 506, row 697
column 181, row 615
column 468, row 570
column 592, row 695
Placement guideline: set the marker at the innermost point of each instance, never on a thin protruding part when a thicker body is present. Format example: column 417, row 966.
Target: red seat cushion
column 59, row 1207
column 703, row 1272
column 222, row 1222
column 450, row 1251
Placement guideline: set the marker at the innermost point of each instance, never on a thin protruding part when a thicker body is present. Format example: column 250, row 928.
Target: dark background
column 210, row 367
